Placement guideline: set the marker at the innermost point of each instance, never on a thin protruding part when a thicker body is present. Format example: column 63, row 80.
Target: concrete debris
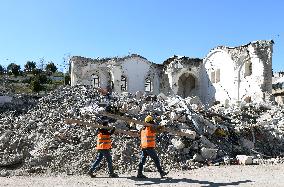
column 177, row 143
column 204, row 142
column 35, row 139
column 208, row 154
column 247, row 143
column 4, row 174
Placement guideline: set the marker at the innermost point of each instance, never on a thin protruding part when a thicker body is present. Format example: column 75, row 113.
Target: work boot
column 91, row 174
column 113, row 175
column 141, row 176
column 163, row 173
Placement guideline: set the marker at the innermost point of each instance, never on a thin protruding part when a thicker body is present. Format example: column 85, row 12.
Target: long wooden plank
column 69, row 121
column 126, row 119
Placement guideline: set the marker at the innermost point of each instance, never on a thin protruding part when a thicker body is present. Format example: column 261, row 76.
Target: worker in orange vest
column 103, row 147
column 148, row 144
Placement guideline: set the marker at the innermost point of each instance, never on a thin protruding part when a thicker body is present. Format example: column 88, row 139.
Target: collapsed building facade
column 226, row 74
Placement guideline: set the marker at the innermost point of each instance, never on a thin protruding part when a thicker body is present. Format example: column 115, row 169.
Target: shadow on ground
column 153, row 181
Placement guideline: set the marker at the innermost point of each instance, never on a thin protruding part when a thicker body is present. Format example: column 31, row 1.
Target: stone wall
column 134, row 68
column 245, row 71
column 184, row 75
column 226, row 74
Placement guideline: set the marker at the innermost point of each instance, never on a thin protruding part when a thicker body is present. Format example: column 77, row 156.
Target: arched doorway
column 186, row 85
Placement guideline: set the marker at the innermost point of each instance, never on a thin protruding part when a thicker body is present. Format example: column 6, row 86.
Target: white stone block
column 174, row 116
column 244, row 159
column 173, row 101
column 192, row 134
column 162, row 96
column 177, row 143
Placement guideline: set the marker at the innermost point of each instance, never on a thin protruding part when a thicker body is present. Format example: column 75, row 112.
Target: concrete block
column 244, row 159
column 247, row 143
column 192, row 133
column 206, row 143
column 208, row 154
column 177, row 143
column 174, row 116
column 162, row 96
column 198, row 158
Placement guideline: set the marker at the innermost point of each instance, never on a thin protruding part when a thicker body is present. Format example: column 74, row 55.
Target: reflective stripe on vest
column 148, row 138
column 103, row 142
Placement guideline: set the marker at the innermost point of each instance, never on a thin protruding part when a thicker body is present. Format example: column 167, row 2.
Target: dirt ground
column 255, row 175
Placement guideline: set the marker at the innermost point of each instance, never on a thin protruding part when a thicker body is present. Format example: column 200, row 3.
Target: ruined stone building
column 278, row 87
column 226, row 74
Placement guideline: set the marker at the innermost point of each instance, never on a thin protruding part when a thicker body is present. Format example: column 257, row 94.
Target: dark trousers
column 103, row 153
column 152, row 153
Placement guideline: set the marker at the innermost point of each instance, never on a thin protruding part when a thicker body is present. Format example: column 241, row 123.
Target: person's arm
column 157, row 128
column 97, row 131
column 111, row 131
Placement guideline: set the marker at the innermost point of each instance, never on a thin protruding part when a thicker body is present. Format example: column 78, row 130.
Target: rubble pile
column 20, row 104
column 37, row 139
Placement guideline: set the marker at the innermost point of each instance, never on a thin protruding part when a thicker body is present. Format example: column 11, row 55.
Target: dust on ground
column 235, row 175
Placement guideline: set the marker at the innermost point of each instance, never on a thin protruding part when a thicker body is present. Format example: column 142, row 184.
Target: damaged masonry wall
column 129, row 74
column 241, row 73
column 226, row 74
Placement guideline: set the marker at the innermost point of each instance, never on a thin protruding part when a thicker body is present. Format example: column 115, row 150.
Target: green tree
column 13, row 69
column 37, row 71
column 30, row 66
column 43, row 78
column 35, row 84
column 50, row 68
column 38, row 80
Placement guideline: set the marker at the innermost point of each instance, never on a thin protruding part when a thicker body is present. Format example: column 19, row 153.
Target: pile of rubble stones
column 34, row 137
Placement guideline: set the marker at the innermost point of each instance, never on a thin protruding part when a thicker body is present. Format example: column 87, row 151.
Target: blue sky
column 155, row 29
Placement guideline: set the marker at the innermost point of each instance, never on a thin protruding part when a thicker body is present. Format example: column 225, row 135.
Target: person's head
column 149, row 119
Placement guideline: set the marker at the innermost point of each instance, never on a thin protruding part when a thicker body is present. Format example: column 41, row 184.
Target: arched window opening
column 96, row 81
column 213, row 77
column 123, row 83
column 248, row 69
column 217, row 75
column 148, row 85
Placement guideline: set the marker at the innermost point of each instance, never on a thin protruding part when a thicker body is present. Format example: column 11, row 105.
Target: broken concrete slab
column 208, row 153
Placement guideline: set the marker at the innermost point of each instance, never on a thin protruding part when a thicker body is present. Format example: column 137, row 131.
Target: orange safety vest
column 103, row 141
column 148, row 138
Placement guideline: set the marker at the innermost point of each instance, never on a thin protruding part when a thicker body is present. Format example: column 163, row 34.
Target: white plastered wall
column 136, row 70
column 223, row 90
column 254, row 85
column 82, row 75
